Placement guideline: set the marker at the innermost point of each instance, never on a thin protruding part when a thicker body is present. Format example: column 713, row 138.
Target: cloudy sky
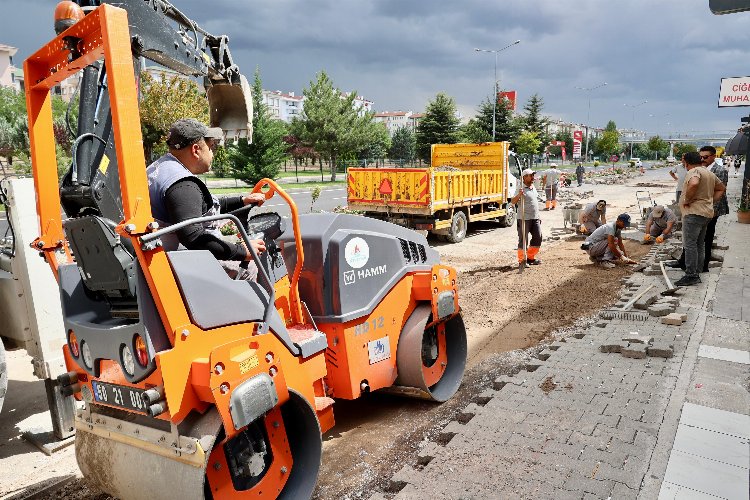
column 400, row 53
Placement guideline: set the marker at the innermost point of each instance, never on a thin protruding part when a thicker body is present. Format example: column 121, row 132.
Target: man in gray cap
column 659, row 224
column 605, row 244
column 177, row 194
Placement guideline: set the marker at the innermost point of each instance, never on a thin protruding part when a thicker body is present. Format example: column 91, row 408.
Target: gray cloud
column 400, row 53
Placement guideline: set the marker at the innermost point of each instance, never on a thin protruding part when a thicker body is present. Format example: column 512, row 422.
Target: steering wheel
column 265, row 226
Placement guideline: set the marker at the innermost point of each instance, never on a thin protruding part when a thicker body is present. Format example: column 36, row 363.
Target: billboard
column 728, row 6
column 510, row 95
column 577, row 141
column 734, row 92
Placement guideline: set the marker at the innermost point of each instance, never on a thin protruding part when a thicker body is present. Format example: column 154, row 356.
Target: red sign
column 385, row 187
column 577, row 140
column 510, row 95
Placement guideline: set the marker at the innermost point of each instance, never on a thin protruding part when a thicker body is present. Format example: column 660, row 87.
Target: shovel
column 671, row 289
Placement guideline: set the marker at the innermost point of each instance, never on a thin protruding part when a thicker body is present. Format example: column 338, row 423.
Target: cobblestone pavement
column 584, row 423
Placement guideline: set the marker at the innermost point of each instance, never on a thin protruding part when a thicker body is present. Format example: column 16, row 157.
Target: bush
column 596, row 163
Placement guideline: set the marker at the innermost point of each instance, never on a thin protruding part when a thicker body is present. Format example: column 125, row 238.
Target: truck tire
column 459, row 224
column 3, row 374
column 510, row 216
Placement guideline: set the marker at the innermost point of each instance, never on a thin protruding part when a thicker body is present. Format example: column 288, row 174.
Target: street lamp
column 632, row 132
column 588, row 114
column 494, row 100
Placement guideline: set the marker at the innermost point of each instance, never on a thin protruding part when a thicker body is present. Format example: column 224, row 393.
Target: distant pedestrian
column 659, row 224
column 579, row 173
column 605, row 245
column 528, row 220
column 701, row 189
column 737, row 165
column 678, row 173
column 550, row 180
column 592, row 216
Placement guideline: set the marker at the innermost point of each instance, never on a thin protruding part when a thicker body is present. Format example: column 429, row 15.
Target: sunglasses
column 705, row 157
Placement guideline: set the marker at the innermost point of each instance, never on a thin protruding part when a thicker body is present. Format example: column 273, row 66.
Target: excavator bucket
column 231, row 108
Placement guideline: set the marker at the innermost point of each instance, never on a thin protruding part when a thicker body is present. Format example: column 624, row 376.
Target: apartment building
column 394, row 120
column 8, row 71
column 281, row 106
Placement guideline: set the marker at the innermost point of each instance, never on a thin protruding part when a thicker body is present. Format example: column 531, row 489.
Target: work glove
column 583, row 229
column 660, row 239
column 646, row 237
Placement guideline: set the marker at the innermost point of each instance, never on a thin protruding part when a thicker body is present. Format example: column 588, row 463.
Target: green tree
column 681, row 148
column 439, row 125
column 331, row 124
column 376, row 142
column 657, row 145
column 163, row 102
column 263, row 157
column 473, row 132
column 534, row 121
column 507, row 127
column 403, row 145
column 528, row 143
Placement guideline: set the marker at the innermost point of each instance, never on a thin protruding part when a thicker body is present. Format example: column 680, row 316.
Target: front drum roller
column 241, row 467
column 431, row 360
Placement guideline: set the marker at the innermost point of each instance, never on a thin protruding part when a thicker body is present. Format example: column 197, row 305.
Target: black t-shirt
column 189, row 198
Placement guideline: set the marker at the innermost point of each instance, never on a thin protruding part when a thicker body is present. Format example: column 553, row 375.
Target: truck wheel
column 3, row 374
column 459, row 223
column 510, row 216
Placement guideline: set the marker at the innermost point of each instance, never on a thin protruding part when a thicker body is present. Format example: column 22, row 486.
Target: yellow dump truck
column 466, row 183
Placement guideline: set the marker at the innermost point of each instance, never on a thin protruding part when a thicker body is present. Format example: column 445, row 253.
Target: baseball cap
column 528, row 171
column 625, row 218
column 187, row 131
column 553, row 164
column 657, row 211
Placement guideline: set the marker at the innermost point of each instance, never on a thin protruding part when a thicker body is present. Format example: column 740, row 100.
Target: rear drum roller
column 431, row 359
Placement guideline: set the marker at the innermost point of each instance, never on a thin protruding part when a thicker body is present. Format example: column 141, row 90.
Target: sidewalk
column 582, row 423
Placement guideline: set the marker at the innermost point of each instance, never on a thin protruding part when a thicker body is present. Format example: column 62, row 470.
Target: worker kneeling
column 593, row 216
column 659, row 224
column 605, row 245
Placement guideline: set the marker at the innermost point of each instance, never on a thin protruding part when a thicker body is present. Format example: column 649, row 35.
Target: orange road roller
column 192, row 384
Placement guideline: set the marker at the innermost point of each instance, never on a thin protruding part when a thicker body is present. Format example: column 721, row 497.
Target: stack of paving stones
column 576, row 423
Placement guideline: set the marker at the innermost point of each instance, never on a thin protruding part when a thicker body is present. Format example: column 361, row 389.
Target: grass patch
column 285, row 186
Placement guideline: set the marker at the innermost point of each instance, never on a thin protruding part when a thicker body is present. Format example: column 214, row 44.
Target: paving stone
column 613, row 346
column 636, row 338
column 672, row 319
column 645, row 301
column 637, row 351
column 601, row 488
column 660, row 309
column 660, row 350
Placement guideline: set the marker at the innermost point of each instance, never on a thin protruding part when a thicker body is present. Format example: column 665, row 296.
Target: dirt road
column 508, row 315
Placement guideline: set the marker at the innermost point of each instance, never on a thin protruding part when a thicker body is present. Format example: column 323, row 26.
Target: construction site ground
column 510, row 318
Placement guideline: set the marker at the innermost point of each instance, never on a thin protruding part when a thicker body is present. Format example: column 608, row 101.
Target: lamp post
column 588, row 114
column 494, row 91
column 632, row 137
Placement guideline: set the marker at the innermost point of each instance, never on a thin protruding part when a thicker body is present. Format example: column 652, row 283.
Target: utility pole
column 494, row 87
column 588, row 114
column 632, row 130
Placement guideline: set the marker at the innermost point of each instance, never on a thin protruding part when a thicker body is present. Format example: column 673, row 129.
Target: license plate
column 120, row 396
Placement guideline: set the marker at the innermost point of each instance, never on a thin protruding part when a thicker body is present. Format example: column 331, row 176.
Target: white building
column 394, row 120
column 8, row 71
column 283, row 106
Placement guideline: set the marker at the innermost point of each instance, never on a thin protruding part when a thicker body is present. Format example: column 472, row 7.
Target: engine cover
column 351, row 262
